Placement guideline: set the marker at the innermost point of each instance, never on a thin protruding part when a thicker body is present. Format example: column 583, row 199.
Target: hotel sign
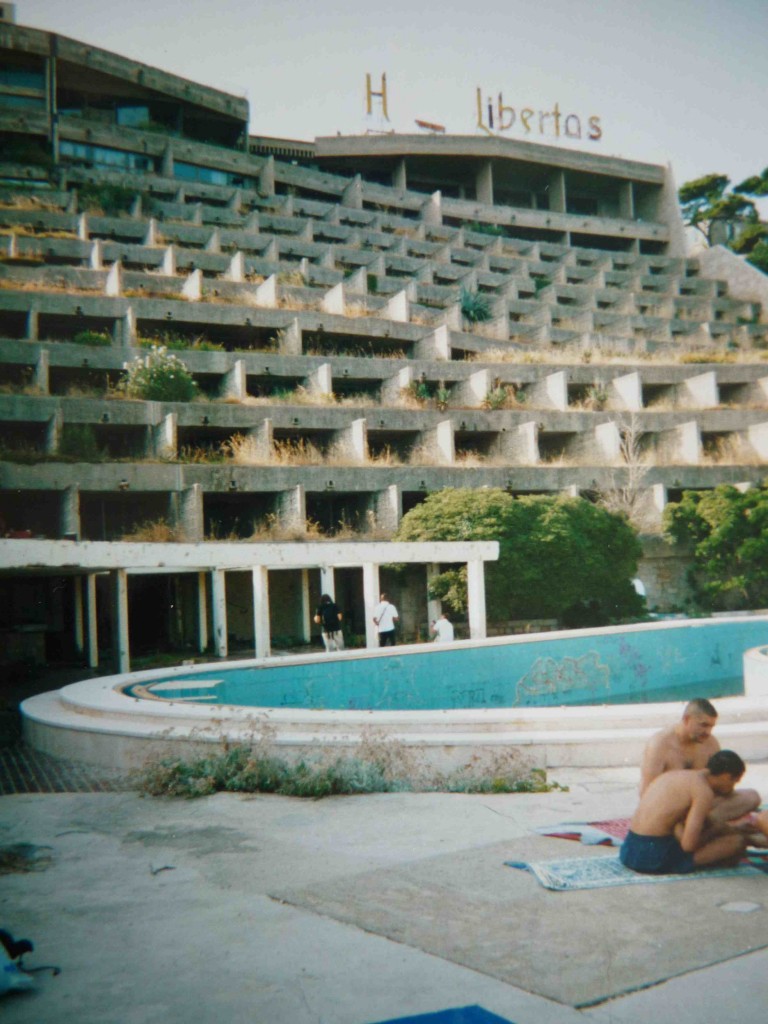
column 494, row 118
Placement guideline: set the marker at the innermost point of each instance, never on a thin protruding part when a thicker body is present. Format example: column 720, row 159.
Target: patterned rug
column 599, row 872
column 591, row 833
column 460, row 1015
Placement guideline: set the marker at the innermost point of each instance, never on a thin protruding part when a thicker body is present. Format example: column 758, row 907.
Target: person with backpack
column 328, row 617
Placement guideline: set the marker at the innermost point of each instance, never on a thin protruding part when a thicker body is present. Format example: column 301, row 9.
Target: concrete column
column 192, row 289
column 290, row 339
column 626, row 201
column 164, row 437
column 78, row 609
column 32, row 324
column 321, row 380
column 219, row 612
column 233, row 382
column 202, row 612
column 757, row 435
column 265, row 294
column 399, row 176
column 370, row 599
column 352, row 195
column 476, row 599
column 626, row 392
column 92, row 621
column 549, row 393
column 392, row 387
column 333, row 300
column 608, row 442
column 434, row 604
column 397, row 308
column 440, row 443
column 120, row 629
column 435, row 345
column 236, row 269
column 431, row 212
column 388, row 507
column 681, row 444
column 53, row 432
column 472, row 391
column 520, row 445
column 42, row 373
column 190, row 513
column 699, row 392
column 292, row 507
column 96, row 258
column 69, row 520
column 113, row 287
column 261, row 610
column 328, row 581
column 169, row 261
column 557, row 195
column 129, row 333
column 267, row 177
column 484, row 183
column 306, row 613
column 352, row 442
column 261, row 437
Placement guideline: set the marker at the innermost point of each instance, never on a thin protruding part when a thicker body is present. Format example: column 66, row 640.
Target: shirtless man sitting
column 670, row 831
column 690, row 744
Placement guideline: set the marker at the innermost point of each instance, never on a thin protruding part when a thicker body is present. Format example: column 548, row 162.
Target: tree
column 706, row 201
column 558, row 557
column 729, row 533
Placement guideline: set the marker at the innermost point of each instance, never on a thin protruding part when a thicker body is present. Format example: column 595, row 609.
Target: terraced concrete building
column 368, row 319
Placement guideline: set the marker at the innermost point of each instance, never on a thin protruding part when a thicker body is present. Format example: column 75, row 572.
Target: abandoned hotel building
column 367, row 318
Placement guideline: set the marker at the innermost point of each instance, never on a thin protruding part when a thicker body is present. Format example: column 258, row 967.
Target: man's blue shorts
column 655, row 855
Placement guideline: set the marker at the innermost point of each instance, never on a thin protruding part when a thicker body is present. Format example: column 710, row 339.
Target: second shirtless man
column 690, row 744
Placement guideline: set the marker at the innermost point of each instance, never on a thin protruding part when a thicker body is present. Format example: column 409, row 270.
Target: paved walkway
column 355, row 910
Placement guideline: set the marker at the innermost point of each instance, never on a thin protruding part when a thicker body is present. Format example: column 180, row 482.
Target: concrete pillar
column 328, row 581
column 261, row 610
column 32, row 324
column 320, row 381
column 265, row 294
column 431, row 212
column 78, row 610
column 120, row 628
column 169, row 261
column 435, row 345
column 164, row 437
column 236, row 269
column 399, row 175
column 608, row 442
column 96, row 258
column 549, row 393
column 557, row 194
column 202, row 612
column 699, row 392
column 128, row 329
column 214, row 242
column 484, row 183
column 219, row 612
column 306, row 613
column 351, row 442
column 681, row 444
column 192, row 289
column 92, row 620
column 190, row 513
column 69, row 519
column 520, row 445
column 42, row 373
column 290, row 339
column 233, row 382
column 292, row 507
column 267, row 177
column 472, row 391
column 440, row 443
column 53, row 432
column 333, row 300
column 152, row 237
column 261, row 439
column 392, row 388
column 757, row 434
column 387, row 507
column 434, row 604
column 626, row 201
column 166, row 167
column 476, row 599
column 626, row 392
column 397, row 308
column 352, row 195
column 370, row 600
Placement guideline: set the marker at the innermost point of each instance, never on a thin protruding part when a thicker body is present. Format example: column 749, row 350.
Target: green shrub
column 475, row 308
column 92, row 338
column 78, row 441
column 159, row 376
column 111, row 200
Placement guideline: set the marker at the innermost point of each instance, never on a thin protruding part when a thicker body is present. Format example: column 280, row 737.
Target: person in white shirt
column 443, row 630
column 385, row 617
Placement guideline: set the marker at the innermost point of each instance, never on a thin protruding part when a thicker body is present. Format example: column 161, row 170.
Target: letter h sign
column 369, row 95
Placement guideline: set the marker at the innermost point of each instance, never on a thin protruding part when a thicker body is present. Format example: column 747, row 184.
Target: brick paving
column 24, row 770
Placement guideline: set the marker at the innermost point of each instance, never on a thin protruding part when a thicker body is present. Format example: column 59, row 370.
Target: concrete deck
column 356, row 910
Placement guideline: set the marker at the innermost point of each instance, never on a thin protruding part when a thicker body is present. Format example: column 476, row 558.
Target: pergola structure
column 87, row 559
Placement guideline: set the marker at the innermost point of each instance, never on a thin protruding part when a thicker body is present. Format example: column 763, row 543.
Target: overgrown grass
column 382, row 767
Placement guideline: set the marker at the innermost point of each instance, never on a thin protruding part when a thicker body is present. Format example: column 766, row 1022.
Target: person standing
column 328, row 617
column 385, row 618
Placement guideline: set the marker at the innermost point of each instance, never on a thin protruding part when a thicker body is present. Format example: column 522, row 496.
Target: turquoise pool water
column 662, row 663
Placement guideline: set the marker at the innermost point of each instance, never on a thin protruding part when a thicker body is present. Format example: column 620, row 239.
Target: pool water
column 639, row 664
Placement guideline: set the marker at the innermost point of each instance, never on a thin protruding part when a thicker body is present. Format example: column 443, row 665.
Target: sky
column 672, row 81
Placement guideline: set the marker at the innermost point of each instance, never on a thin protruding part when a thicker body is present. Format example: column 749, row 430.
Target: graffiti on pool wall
column 550, row 677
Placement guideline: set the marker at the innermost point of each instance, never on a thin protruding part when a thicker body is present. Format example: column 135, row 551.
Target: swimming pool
column 657, row 662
